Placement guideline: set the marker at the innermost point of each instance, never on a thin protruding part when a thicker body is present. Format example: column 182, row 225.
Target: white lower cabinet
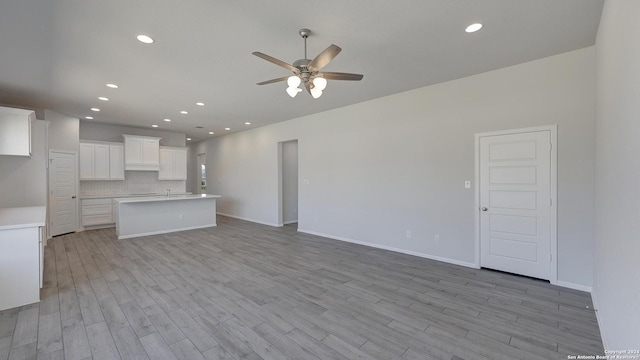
column 21, row 267
column 97, row 212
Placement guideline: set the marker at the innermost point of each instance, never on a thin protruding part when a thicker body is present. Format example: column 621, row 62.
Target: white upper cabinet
column 101, row 161
column 141, row 153
column 173, row 163
column 15, row 131
column 87, row 161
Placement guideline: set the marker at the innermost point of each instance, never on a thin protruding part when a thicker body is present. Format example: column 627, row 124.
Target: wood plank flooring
column 248, row 291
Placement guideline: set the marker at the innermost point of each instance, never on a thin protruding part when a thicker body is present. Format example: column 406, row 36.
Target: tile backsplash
column 135, row 182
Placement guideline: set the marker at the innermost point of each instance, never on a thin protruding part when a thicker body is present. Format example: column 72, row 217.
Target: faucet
column 168, row 192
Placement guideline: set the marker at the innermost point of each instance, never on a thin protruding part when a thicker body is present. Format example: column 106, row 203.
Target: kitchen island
column 142, row 216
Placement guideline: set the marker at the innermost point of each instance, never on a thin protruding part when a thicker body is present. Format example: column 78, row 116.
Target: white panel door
column 62, row 185
column 515, row 201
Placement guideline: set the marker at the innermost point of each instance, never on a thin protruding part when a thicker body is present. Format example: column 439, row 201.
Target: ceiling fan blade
column 341, row 76
column 281, row 63
column 273, row 81
column 324, row 57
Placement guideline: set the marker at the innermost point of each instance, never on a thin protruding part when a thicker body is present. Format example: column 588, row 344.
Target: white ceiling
column 59, row 54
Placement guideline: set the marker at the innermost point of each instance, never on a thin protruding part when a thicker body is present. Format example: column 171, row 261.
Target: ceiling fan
column 307, row 71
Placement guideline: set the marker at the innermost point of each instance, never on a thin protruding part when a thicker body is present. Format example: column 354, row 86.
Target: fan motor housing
column 301, row 63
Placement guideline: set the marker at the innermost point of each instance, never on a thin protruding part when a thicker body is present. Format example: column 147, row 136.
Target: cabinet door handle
column 73, row 197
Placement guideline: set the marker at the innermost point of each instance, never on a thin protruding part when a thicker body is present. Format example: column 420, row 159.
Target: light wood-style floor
column 248, row 291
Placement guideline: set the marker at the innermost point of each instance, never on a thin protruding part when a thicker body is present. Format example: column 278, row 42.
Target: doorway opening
column 288, row 181
column 201, row 174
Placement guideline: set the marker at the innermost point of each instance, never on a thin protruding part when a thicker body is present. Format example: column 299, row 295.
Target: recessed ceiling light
column 188, row 139
column 95, row 109
column 113, row 86
column 103, row 98
column 145, row 39
column 89, row 117
column 167, row 120
column 247, row 123
column 183, row 112
column 227, row 129
column 154, row 125
column 473, row 27
column 200, row 103
column 211, row 132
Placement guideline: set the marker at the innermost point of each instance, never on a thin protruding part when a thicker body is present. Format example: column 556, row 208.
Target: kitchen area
column 62, row 175
column 139, row 186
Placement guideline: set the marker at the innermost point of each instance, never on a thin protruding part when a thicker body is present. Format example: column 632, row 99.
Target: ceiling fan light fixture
column 316, row 93
column 293, row 81
column 293, row 91
column 308, row 72
column 320, row 83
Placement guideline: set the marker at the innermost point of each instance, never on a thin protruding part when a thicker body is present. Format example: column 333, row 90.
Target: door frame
column 553, row 214
column 280, row 217
column 199, row 172
column 49, row 197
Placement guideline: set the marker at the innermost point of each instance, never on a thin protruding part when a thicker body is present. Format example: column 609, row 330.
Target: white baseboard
column 165, row 231
column 291, row 222
column 574, row 286
column 383, row 247
column 96, row 227
column 603, row 335
column 251, row 220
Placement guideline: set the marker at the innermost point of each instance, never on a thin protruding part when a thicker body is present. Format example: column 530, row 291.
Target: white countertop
column 165, row 198
column 112, row 196
column 22, row 217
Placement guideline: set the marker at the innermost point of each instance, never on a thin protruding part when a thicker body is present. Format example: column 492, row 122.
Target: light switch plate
column 467, row 184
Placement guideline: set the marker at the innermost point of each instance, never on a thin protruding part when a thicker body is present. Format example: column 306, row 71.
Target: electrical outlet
column 408, row 234
column 467, row 184
column 305, row 181
column 436, row 238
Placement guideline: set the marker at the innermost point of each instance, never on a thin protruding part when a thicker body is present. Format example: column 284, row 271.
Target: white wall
column 23, row 180
column 107, row 132
column 381, row 167
column 63, row 131
column 616, row 290
column 290, row 182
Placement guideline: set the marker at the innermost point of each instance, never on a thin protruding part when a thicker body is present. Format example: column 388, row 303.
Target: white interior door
column 515, row 203
column 62, row 187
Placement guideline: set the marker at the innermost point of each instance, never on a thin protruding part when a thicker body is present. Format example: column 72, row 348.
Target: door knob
column 73, row 197
column 484, row 209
